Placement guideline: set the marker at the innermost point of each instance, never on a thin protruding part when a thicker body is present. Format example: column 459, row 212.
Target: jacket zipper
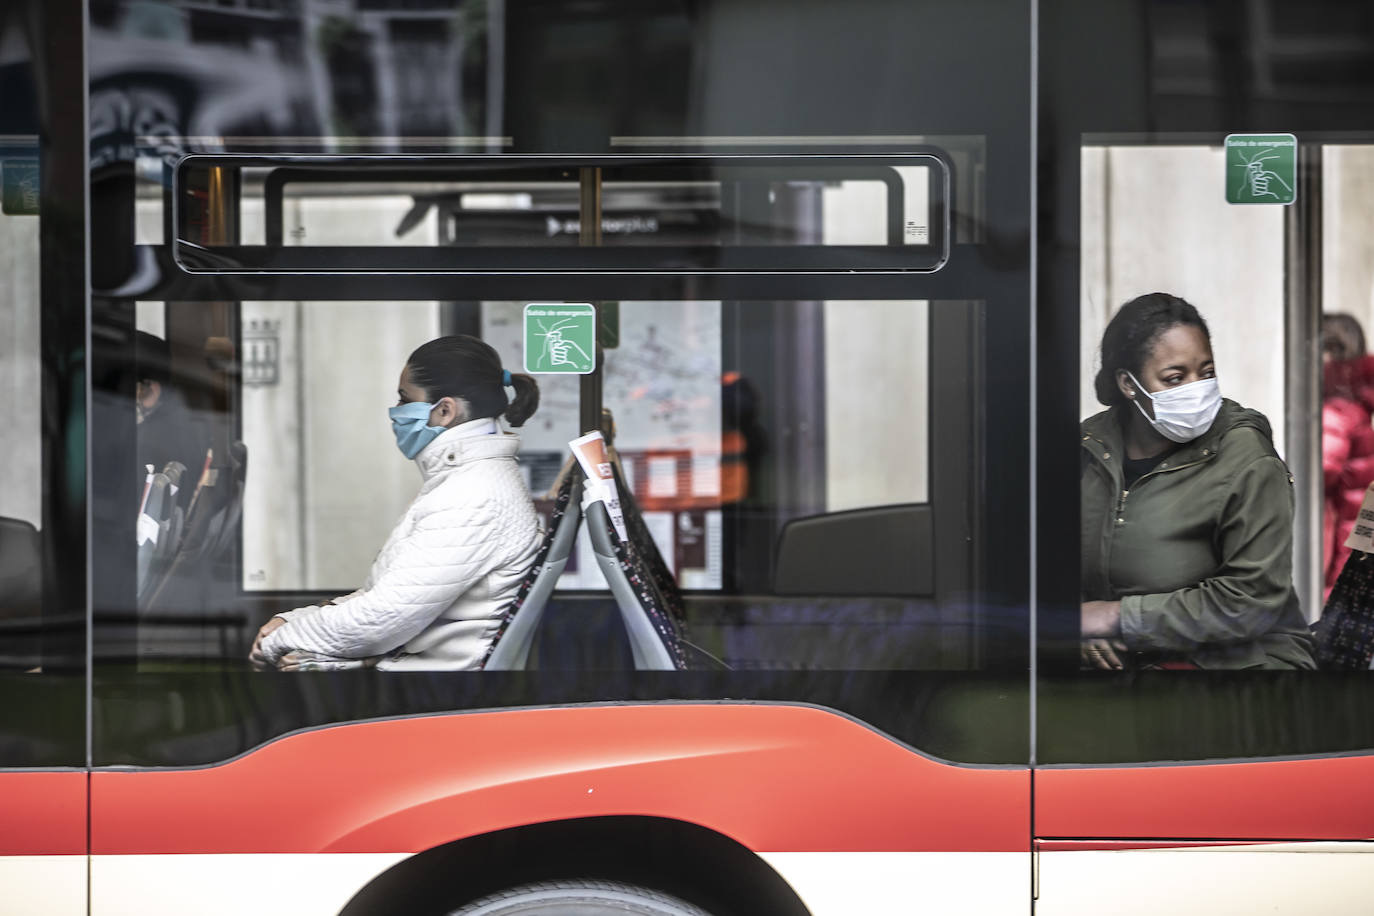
column 1121, row 502
column 1120, row 514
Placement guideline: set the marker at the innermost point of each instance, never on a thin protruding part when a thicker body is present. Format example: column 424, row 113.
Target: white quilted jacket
column 450, row 565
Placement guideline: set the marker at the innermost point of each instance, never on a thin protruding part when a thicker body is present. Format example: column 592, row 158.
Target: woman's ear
column 449, row 412
column 1125, row 385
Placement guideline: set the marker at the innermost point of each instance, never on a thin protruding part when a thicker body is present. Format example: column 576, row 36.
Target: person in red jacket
column 1347, row 437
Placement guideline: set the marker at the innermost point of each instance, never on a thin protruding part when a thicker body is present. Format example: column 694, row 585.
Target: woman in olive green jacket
column 1187, row 509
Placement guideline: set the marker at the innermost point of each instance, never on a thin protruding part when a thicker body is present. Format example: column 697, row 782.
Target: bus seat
column 222, row 527
column 655, row 639
column 883, row 550
column 208, row 531
column 637, row 530
column 653, row 557
column 21, row 569
column 160, row 528
column 520, row 619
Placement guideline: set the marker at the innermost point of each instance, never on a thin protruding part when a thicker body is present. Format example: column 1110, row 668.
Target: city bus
column 827, row 283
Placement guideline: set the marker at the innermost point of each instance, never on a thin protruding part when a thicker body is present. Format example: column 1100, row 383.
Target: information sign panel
column 560, row 338
column 1261, row 168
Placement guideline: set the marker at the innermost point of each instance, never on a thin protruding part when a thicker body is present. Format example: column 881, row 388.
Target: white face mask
column 1183, row 413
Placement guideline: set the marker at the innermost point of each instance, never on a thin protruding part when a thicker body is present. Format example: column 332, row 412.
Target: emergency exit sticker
column 560, row 338
column 18, row 186
column 1261, row 168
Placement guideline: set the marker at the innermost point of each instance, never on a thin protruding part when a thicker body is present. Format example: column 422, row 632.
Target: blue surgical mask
column 408, row 422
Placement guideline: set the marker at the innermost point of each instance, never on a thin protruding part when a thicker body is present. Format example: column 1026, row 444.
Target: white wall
column 356, row 483
column 1348, row 233
column 877, row 368
column 326, row 483
column 876, row 405
column 1156, row 219
column 273, row 537
column 20, row 367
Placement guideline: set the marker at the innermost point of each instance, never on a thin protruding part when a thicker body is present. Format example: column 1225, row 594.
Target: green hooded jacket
column 1199, row 550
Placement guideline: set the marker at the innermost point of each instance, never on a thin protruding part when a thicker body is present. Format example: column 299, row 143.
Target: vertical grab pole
column 1302, row 396
column 589, row 235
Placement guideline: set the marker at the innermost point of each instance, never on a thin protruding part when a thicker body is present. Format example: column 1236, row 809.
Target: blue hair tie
column 505, row 378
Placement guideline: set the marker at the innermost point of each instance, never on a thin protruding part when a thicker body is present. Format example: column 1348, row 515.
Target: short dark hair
column 1131, row 335
column 1342, row 336
column 152, row 359
column 462, row 366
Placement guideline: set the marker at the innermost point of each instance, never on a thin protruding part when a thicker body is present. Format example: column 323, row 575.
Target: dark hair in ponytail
column 461, row 366
column 526, row 399
column 1131, row 335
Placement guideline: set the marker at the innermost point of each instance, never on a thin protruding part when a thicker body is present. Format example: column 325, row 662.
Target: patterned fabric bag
column 631, row 560
column 1345, row 633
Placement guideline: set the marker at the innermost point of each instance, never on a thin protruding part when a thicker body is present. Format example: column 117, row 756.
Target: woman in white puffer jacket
column 435, row 593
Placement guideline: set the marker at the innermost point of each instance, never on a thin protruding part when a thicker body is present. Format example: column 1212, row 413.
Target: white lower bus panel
column 1333, row 879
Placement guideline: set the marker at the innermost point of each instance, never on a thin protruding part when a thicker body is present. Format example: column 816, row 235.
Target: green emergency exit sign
column 560, row 338
column 1261, row 168
column 18, row 186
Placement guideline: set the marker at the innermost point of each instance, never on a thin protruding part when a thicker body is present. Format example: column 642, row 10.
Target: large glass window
column 1202, row 531
column 736, row 426
column 804, row 307
column 21, row 388
column 42, row 628
column 688, row 434
column 815, row 506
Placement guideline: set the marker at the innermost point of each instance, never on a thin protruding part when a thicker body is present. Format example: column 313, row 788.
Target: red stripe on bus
column 773, row 778
column 43, row 814
column 1318, row 799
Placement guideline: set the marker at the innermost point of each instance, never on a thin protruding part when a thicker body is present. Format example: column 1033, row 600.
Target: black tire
column 579, row 898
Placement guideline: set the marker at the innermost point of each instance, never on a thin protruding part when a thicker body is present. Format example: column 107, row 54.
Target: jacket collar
column 1102, row 436
column 474, row 440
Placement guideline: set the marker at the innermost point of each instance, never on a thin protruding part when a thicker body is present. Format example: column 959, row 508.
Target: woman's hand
column 255, row 654
column 1106, row 654
column 1100, row 626
column 303, row 661
column 1100, row 620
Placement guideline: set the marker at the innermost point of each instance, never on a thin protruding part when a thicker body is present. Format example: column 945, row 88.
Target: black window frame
column 274, row 258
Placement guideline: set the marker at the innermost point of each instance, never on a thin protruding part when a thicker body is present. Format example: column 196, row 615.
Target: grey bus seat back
column 511, row 648
column 162, row 506
column 214, row 528
column 230, row 515
column 655, row 641
column 880, row 550
column 21, row 569
column 207, row 533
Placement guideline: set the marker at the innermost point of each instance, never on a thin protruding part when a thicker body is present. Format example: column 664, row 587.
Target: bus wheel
column 579, row 898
